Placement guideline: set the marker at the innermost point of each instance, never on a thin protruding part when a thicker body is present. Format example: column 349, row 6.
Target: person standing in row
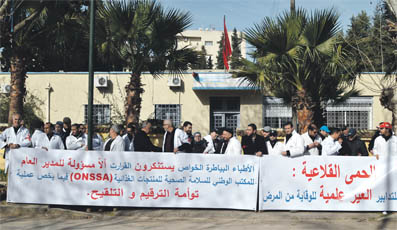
column 129, row 138
column 324, row 132
column 75, row 140
column 198, row 144
column 274, row 147
column 386, row 143
column 294, row 144
column 252, row 143
column 332, row 144
column 46, row 140
column 210, row 138
column 355, row 144
column 312, row 141
column 14, row 137
column 115, row 142
column 142, row 141
column 231, row 145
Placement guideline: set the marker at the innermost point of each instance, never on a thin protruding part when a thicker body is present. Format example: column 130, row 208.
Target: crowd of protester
column 316, row 141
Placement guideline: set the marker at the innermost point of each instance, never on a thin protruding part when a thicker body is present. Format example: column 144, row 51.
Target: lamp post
column 91, row 74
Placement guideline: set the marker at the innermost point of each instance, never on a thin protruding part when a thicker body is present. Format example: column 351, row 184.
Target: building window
column 225, row 112
column 355, row 112
column 209, row 43
column 168, row 112
column 275, row 112
column 100, row 114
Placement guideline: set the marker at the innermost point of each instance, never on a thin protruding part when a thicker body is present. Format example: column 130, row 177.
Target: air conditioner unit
column 5, row 88
column 101, row 81
column 174, row 82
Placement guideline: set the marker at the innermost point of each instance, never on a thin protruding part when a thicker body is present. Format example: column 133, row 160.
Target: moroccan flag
column 227, row 50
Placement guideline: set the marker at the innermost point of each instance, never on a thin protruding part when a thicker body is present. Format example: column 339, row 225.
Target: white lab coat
column 97, row 142
column 210, row 149
column 40, row 139
column 295, row 145
column 129, row 145
column 74, row 143
column 276, row 150
column 330, row 147
column 384, row 148
column 22, row 138
column 233, row 147
column 307, row 141
column 180, row 138
column 117, row 144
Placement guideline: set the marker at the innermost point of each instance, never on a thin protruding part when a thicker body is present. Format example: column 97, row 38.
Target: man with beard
column 386, row 143
column 230, row 146
column 294, row 144
column 252, row 143
column 312, row 141
column 356, row 145
column 75, row 140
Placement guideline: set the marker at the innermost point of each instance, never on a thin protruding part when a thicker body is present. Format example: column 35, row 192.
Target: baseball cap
column 386, row 125
column 352, row 132
column 267, row 129
column 325, row 128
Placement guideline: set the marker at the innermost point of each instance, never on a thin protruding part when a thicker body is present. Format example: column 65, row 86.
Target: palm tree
column 20, row 29
column 143, row 35
column 299, row 58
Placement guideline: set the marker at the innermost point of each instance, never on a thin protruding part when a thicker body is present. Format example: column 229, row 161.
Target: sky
column 243, row 14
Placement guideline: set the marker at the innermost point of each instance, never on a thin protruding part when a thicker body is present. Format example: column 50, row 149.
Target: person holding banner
column 294, row 144
column 332, row 144
column 14, row 137
column 386, row 143
column 176, row 140
column 115, row 143
column 210, row 149
column 252, row 143
column 231, row 145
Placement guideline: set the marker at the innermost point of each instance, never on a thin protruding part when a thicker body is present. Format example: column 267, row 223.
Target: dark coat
column 251, row 147
column 371, row 144
column 199, row 147
column 357, row 146
column 142, row 143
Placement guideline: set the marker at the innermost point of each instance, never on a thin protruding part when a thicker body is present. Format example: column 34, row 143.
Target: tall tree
column 219, row 57
column 236, row 50
column 19, row 20
column 144, row 35
column 299, row 58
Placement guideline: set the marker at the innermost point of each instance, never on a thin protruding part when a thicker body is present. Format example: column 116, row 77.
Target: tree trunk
column 133, row 99
column 388, row 100
column 304, row 108
column 18, row 90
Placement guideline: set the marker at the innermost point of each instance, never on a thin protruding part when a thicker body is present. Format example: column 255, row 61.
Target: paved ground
column 27, row 217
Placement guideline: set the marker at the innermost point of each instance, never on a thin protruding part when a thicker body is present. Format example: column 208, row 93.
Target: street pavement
column 29, row 217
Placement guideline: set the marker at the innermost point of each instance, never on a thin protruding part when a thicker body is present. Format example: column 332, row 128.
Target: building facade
column 207, row 99
column 209, row 38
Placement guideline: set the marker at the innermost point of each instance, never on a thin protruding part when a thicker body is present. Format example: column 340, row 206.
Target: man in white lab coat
column 386, row 143
column 115, row 143
column 75, row 140
column 46, row 140
column 293, row 142
column 129, row 138
column 14, row 137
column 312, row 141
column 231, row 145
column 210, row 149
column 332, row 144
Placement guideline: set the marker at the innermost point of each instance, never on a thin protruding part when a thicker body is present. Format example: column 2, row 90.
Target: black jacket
column 142, row 143
column 250, row 147
column 199, row 147
column 371, row 144
column 357, row 146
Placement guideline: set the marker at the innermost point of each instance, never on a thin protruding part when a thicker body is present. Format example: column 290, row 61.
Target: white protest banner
column 132, row 179
column 336, row 183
